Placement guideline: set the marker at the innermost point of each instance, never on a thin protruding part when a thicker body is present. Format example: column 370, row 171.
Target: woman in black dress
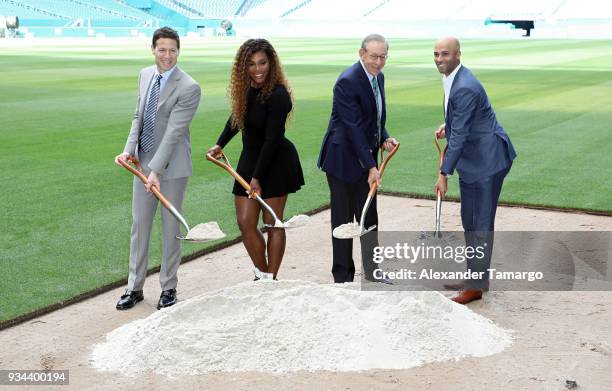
column 261, row 101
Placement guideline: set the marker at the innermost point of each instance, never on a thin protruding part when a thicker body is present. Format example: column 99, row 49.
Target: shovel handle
column 386, row 160
column 138, row 172
column 253, row 194
column 442, row 153
column 228, row 167
column 381, row 169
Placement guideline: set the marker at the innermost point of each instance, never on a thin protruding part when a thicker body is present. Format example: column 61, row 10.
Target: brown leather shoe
column 467, row 296
column 456, row 287
column 463, row 285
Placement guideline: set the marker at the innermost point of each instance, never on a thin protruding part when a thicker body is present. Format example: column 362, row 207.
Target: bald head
column 447, row 54
column 449, row 42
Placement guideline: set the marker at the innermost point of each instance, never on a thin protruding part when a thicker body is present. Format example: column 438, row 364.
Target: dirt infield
column 559, row 336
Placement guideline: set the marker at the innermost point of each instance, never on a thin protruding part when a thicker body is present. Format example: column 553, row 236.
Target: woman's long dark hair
column 240, row 80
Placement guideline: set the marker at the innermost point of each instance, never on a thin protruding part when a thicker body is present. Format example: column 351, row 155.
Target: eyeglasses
column 382, row 57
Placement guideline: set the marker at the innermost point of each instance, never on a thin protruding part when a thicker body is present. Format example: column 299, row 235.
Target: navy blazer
column 478, row 146
column 350, row 144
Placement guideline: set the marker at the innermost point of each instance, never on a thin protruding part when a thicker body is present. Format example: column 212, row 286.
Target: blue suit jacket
column 350, row 145
column 478, row 146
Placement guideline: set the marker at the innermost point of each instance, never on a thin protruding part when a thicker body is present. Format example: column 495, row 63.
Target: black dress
column 266, row 154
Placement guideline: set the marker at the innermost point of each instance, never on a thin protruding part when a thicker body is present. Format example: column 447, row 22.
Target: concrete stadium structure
column 340, row 18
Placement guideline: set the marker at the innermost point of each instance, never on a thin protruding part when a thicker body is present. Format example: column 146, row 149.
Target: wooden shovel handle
column 227, row 167
column 382, row 167
column 137, row 170
column 440, row 151
column 381, row 170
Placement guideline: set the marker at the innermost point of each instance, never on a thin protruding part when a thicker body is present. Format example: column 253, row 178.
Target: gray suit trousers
column 144, row 206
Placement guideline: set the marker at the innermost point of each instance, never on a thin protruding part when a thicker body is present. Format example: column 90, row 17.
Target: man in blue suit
column 348, row 155
column 480, row 150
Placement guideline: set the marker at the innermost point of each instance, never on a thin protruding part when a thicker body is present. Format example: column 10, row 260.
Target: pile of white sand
column 289, row 326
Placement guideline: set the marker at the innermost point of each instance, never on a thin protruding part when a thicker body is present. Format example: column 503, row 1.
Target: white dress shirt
column 447, row 82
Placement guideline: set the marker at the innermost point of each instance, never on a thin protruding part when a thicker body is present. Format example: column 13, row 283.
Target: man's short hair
column 166, row 32
column 376, row 38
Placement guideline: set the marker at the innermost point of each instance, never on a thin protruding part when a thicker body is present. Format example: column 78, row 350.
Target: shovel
column 199, row 233
column 294, row 222
column 353, row 230
column 437, row 232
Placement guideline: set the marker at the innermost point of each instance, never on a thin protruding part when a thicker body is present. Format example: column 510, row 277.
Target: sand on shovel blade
column 347, row 231
column 205, row 231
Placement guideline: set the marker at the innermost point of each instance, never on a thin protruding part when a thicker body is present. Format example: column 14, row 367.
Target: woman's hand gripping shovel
column 293, row 222
column 354, row 230
column 437, row 231
column 199, row 233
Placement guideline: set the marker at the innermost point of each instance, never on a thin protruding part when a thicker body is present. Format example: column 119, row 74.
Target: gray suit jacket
column 171, row 155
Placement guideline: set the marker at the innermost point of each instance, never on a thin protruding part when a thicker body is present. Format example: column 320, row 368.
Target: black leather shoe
column 129, row 299
column 371, row 278
column 381, row 281
column 167, row 299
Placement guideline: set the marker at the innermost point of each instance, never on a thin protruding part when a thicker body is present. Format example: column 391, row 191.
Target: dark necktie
column 378, row 114
column 147, row 136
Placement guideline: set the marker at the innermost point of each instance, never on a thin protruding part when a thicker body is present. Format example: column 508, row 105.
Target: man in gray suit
column 167, row 101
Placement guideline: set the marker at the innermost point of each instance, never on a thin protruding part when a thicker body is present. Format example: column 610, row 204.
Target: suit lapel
column 170, row 86
column 366, row 83
column 449, row 108
column 456, row 80
column 145, row 84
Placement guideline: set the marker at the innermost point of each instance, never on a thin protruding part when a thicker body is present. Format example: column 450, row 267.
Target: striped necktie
column 378, row 115
column 147, row 136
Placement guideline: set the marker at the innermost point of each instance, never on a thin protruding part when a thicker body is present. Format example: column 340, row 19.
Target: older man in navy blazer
column 480, row 150
column 348, row 155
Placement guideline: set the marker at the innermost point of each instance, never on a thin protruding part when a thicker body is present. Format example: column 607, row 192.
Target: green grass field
column 66, row 113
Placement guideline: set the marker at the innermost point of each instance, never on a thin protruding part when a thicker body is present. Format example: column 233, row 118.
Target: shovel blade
column 350, row 231
column 203, row 233
column 294, row 222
